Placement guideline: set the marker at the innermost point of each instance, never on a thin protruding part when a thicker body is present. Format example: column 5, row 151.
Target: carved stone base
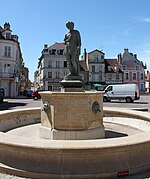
column 72, row 115
column 95, row 133
column 72, row 86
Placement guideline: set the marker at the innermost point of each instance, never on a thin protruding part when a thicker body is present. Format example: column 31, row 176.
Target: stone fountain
column 72, row 113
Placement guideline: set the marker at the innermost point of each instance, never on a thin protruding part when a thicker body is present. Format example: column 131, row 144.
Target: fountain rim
column 140, row 138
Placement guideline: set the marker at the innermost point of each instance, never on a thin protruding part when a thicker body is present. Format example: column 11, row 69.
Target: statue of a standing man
column 72, row 51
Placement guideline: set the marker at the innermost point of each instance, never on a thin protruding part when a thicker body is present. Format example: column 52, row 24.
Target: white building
column 96, row 66
column 10, row 62
column 52, row 67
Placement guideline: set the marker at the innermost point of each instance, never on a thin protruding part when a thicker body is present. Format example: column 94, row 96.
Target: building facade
column 10, row 62
column 96, row 66
column 25, row 83
column 147, row 82
column 134, row 70
column 113, row 72
column 52, row 67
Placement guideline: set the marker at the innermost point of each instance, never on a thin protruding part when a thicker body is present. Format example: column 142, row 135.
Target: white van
column 128, row 92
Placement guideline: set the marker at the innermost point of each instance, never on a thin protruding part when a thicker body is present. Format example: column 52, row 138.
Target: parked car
column 28, row 93
column 2, row 95
column 36, row 95
column 128, row 92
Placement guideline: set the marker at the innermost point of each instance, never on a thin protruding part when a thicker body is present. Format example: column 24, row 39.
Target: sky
column 106, row 25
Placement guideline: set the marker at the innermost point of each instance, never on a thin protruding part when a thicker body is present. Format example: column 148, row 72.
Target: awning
column 98, row 85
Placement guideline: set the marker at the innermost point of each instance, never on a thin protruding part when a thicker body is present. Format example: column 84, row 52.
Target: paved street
column 19, row 103
column 142, row 104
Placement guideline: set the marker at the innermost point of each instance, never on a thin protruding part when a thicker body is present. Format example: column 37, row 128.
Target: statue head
column 70, row 25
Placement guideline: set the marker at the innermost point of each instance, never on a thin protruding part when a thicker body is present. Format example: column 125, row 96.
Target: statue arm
column 65, row 39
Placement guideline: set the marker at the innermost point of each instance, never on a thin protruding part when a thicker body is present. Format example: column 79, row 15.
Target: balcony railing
column 7, row 75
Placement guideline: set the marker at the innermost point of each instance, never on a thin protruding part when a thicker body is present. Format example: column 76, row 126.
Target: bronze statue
column 72, row 50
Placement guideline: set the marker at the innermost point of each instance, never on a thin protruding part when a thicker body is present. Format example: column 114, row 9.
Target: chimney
column 119, row 58
column 14, row 37
column 135, row 56
column 45, row 46
column 85, row 54
column 126, row 49
column 6, row 26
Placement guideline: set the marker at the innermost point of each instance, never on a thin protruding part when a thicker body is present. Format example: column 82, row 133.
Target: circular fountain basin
column 25, row 156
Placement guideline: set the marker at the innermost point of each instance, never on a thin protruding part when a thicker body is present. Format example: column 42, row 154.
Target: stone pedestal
column 72, row 84
column 72, row 115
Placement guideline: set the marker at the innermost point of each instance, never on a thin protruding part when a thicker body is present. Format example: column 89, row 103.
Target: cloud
column 146, row 19
column 147, row 51
column 143, row 52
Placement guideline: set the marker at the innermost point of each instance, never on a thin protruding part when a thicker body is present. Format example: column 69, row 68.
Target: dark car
column 2, row 94
column 36, row 95
column 28, row 93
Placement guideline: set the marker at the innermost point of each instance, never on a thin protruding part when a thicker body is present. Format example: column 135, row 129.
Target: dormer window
column 45, row 50
column 53, row 51
column 61, row 52
column 8, row 35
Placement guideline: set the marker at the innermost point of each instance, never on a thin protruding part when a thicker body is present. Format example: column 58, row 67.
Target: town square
column 74, row 89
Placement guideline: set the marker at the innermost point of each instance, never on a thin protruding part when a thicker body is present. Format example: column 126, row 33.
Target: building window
column 141, row 76
column 65, row 64
column 61, row 52
column 65, row 73
column 100, row 68
column 126, row 76
column 49, row 74
column 100, row 77
column 102, row 57
column 53, row 51
column 7, row 52
column 17, row 55
column 141, row 87
column 93, row 68
column 6, row 68
column 93, row 77
column 50, row 64
column 57, row 64
column 117, row 76
column 134, row 76
column 137, row 68
column 95, row 58
column 8, row 35
column 123, row 67
column 110, row 77
column 57, row 74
